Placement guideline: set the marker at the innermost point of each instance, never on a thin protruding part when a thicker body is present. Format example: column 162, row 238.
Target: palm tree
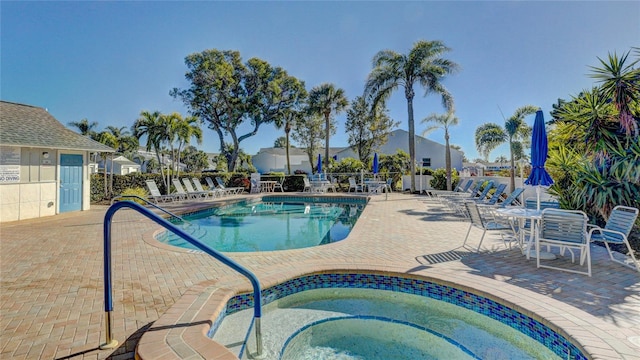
column 443, row 121
column 622, row 84
column 106, row 138
column 84, row 126
column 122, row 141
column 515, row 132
column 153, row 126
column 181, row 131
column 325, row 100
column 423, row 65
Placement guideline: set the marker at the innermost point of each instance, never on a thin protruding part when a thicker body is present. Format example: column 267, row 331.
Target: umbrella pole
column 538, row 196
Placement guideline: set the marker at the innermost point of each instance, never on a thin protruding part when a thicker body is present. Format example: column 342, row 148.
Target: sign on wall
column 9, row 164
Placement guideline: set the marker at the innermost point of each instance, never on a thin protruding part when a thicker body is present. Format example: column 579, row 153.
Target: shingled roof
column 30, row 126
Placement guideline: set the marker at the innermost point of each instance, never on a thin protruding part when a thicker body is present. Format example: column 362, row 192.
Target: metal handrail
column 148, row 203
column 108, row 299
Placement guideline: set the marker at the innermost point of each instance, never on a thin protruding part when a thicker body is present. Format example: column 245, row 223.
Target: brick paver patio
column 51, row 293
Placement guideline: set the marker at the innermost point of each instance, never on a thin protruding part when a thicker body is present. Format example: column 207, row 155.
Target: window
column 426, row 162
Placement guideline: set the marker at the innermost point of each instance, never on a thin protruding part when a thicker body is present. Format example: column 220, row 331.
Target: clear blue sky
column 108, row 61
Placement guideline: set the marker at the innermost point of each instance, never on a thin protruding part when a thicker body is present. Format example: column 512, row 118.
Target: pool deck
column 51, row 289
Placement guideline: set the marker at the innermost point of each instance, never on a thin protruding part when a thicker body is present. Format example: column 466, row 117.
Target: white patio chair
column 566, row 229
column 307, row 185
column 616, row 231
column 479, row 221
column 355, row 186
column 213, row 186
column 278, row 185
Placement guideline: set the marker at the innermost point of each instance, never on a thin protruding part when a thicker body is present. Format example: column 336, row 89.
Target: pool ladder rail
column 111, row 343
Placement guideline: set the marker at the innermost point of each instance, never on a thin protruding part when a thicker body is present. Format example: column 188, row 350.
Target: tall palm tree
column 122, row 141
column 153, row 126
column 443, row 121
column 84, row 126
column 325, row 100
column 423, row 65
column 515, row 132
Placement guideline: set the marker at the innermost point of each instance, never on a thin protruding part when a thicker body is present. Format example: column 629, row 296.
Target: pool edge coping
column 203, row 303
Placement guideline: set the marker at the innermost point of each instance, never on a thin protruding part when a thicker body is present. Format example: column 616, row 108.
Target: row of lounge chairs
column 194, row 190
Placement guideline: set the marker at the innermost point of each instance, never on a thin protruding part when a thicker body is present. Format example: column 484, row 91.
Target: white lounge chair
column 193, row 192
column 211, row 192
column 156, row 196
column 230, row 190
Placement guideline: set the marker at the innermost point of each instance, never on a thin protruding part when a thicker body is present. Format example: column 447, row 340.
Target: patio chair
column 278, row 185
column 307, row 185
column 566, row 229
column 193, row 193
column 230, row 190
column 353, row 185
column 616, row 231
column 213, row 192
column 156, row 196
column 479, row 221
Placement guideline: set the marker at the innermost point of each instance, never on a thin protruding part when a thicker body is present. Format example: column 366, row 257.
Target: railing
column 108, row 299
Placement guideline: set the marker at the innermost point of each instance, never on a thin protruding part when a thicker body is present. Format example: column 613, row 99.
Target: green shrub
column 439, row 181
column 137, row 191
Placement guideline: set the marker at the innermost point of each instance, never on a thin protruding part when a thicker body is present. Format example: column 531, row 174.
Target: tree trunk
column 513, row 175
column 287, row 151
column 111, row 178
column 327, row 132
column 447, row 160
column 412, row 136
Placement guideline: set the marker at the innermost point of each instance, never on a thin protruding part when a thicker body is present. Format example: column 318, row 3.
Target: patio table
column 521, row 215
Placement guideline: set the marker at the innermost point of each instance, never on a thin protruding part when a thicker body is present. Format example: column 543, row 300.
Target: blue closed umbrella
column 375, row 163
column 539, row 176
column 319, row 167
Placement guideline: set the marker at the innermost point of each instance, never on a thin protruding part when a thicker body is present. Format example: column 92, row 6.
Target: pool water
column 356, row 323
column 269, row 225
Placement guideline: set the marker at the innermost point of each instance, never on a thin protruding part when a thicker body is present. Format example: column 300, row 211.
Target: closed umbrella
column 319, row 167
column 539, row 176
column 375, row 164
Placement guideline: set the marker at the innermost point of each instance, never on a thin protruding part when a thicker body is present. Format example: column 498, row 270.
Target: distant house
column 121, row 165
column 429, row 154
column 473, row 169
column 44, row 167
column 275, row 159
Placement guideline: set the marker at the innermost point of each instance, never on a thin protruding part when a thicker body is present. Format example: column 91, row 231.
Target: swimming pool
column 354, row 315
column 272, row 223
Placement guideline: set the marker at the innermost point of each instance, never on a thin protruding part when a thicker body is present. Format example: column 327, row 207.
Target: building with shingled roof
column 43, row 165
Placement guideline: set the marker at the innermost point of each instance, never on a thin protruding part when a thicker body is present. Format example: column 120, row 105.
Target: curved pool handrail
column 108, row 298
column 148, row 203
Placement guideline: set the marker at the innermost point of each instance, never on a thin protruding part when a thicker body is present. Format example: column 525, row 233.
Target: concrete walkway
column 51, row 290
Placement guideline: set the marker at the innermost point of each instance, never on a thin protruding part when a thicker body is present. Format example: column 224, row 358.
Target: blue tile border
column 529, row 326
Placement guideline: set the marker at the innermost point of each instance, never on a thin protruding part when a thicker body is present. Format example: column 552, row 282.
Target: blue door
column 70, row 182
